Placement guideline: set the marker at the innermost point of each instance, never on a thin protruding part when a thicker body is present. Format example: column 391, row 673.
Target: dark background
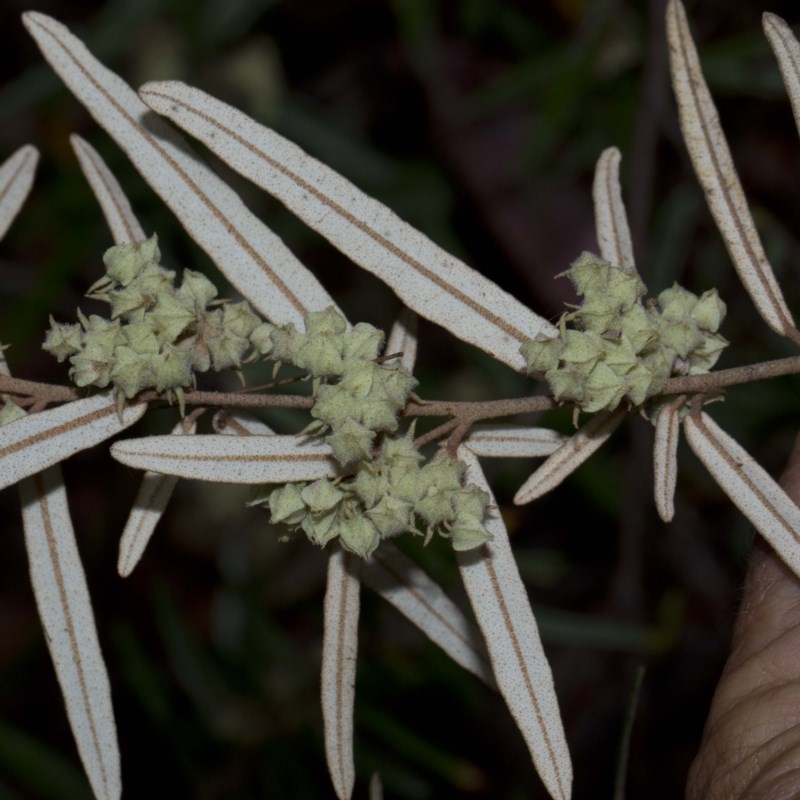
column 480, row 122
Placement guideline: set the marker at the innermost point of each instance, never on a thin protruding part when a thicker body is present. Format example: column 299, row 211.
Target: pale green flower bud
column 582, row 347
column 227, row 350
column 370, row 485
column 598, row 313
column 170, row 318
column 286, row 504
column 604, row 389
column 682, row 337
column 704, row 357
column 329, row 322
column 641, row 383
column 363, row 343
column 393, row 382
column 124, row 262
column 405, row 482
column 401, row 450
column 128, row 302
column 261, row 338
column 435, row 505
column 239, row 319
column 92, row 366
column 358, row 380
column 359, row 535
column 321, row 355
column 567, row 384
column 322, row 496
column 140, row 338
column 196, row 291
column 321, row 527
column 131, row 371
column 171, row 368
column 470, row 501
column 285, row 342
column 444, row 473
column 63, row 341
column 377, row 415
column 677, row 303
column 541, row 354
column 619, row 355
column 351, row 442
column 468, row 533
column 624, row 288
column 333, row 406
column 709, row 311
column 588, row 273
column 391, row 516
column 198, row 352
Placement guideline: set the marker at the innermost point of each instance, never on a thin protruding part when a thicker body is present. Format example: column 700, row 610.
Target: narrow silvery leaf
column 611, row 221
column 787, row 51
column 240, row 423
column 523, row 675
column 403, row 339
column 773, row 513
column 433, row 283
column 32, row 443
column 399, row 581
column 513, row 441
column 229, row 459
column 717, row 175
column 665, row 459
column 16, row 179
column 66, row 613
column 253, row 259
column 148, row 508
column 116, row 207
column 339, row 649
column 570, row 455
column 375, row 787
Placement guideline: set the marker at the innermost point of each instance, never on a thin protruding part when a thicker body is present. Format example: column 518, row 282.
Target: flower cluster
column 620, row 347
column 158, row 334
column 357, row 396
column 384, row 498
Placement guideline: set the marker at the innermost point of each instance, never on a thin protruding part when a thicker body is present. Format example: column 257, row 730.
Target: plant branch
column 712, row 381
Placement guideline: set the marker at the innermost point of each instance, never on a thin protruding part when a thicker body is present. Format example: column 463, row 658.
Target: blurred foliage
column 478, row 121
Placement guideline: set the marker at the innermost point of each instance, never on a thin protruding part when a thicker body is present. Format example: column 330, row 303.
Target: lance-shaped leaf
column 375, row 787
column 66, row 612
column 151, row 501
column 32, row 443
column 665, row 458
column 399, row 581
column 504, row 614
column 716, row 172
column 433, row 283
column 230, row 459
column 570, row 455
column 513, row 441
column 253, row 259
column 339, row 649
column 787, row 50
column 611, row 221
column 240, row 423
column 773, row 513
column 115, row 205
column 403, row 339
column 16, row 179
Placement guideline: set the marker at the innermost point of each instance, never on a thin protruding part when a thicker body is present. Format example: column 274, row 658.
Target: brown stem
column 730, row 377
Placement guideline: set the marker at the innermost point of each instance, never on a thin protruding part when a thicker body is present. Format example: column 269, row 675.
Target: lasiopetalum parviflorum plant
column 358, row 474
